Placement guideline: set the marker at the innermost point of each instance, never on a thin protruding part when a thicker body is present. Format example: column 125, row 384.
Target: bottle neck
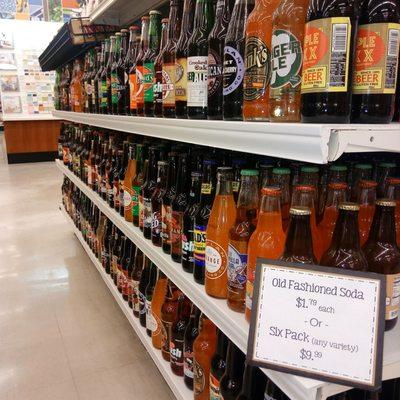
column 195, row 190
column 174, row 27
column 204, row 15
column 299, row 240
column 383, row 227
column 248, row 195
column 346, row 233
column 154, row 33
column 224, row 187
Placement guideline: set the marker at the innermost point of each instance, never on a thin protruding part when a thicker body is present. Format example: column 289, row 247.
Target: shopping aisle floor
column 62, row 336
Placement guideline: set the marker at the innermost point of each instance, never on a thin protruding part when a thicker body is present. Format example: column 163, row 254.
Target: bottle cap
column 387, row 165
column 162, row 163
column 338, row 168
column 338, row 185
column 134, row 28
column 165, row 20
column 349, row 206
column 299, row 210
column 271, row 191
column 118, row 34
column 309, row 169
column 145, row 17
column 385, row 203
column 281, row 171
column 154, row 12
column 363, row 166
column 367, row 184
column 124, row 30
column 224, row 169
column 249, row 172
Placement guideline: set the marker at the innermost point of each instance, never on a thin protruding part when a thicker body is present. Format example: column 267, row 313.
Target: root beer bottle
column 376, row 62
column 327, row 64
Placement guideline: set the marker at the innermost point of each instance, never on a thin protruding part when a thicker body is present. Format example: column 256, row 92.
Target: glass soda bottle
column 137, row 182
column 151, row 324
column 149, row 60
column 144, row 281
column 234, row 64
column 337, row 193
column 191, row 333
column 328, row 61
column 222, row 217
column 156, row 202
column 239, row 236
column 257, row 73
column 362, row 172
column 181, row 59
column 268, row 239
column 376, row 62
column 203, row 350
column 281, row 179
column 128, row 187
column 216, row 41
column 366, row 200
column 135, row 280
column 383, row 256
column 218, row 365
column 129, row 63
column 384, row 171
column 197, row 60
column 169, row 59
column 299, row 245
column 156, row 304
column 286, row 59
column 393, row 193
column 345, row 251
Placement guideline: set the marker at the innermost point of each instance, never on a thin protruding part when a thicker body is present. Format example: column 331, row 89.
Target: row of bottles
column 215, row 212
column 261, row 60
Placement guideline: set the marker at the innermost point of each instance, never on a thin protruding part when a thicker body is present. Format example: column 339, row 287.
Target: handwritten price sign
column 318, row 322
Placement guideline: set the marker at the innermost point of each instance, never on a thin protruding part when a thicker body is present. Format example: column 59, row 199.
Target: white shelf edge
column 231, row 323
column 315, row 143
column 175, row 382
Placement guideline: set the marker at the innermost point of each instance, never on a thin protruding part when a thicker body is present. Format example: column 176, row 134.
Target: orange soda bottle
column 239, row 236
column 281, row 178
column 157, row 301
column 258, row 61
column 337, row 193
column 268, row 239
column 304, row 195
column 366, row 199
column 287, row 56
column 222, row 217
column 392, row 192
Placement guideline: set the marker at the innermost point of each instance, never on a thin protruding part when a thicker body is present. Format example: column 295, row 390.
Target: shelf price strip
column 318, row 322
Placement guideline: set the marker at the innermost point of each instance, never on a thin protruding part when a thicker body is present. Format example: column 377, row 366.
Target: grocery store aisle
column 62, row 336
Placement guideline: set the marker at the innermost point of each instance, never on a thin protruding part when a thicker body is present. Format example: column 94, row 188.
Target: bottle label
column 188, row 363
column 104, row 93
column 176, row 232
column 197, row 81
column 148, row 82
column 199, row 382
column 326, row 55
column 135, row 200
column 176, row 352
column 168, row 89
column 105, row 258
column 257, row 69
column 377, row 58
column 128, row 192
column 151, row 323
column 392, row 296
column 233, row 70
column 132, row 91
column 166, row 216
column 141, row 211
column 188, row 246
column 166, row 334
column 206, row 188
column 287, row 58
column 89, row 88
column 200, row 245
column 116, row 88
column 249, row 294
column 135, row 295
column 215, row 392
column 158, row 324
column 237, row 265
column 156, row 224
column 235, row 186
column 181, row 79
column 215, row 72
column 142, row 303
column 158, row 87
column 147, row 215
column 216, row 260
column 139, row 84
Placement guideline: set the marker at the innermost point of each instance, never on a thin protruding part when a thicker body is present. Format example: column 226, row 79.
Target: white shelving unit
column 315, row 143
column 176, row 383
column 231, row 323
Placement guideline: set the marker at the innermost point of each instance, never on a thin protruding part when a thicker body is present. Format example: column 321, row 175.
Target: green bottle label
column 104, row 93
column 135, row 201
column 114, row 88
column 148, row 81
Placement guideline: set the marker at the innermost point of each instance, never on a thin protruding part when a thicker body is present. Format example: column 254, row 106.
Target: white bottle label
column 197, row 68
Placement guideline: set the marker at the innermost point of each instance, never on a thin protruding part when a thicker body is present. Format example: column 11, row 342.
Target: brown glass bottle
column 345, row 251
column 191, row 333
column 298, row 245
column 169, row 312
column 151, row 323
column 169, row 59
column 203, row 350
column 135, row 279
column 156, row 304
column 156, row 203
column 137, row 183
column 129, row 62
column 231, row 382
column 144, row 281
column 140, row 67
column 158, row 70
column 176, row 342
column 383, row 256
column 218, row 365
column 181, row 59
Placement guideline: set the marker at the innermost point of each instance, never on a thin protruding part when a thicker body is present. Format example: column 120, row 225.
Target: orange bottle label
column 168, row 84
column 132, row 91
column 392, row 296
column 139, row 85
column 181, row 79
column 326, row 55
column 216, row 260
column 377, row 58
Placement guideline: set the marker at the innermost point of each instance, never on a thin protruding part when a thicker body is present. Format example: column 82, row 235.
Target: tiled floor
column 62, row 336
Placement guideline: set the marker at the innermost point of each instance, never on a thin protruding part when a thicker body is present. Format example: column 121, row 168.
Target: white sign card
column 319, row 322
